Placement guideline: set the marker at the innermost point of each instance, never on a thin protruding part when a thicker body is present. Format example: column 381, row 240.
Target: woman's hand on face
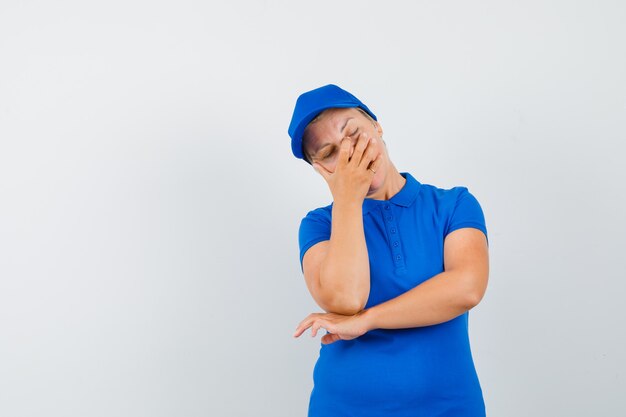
column 352, row 177
column 340, row 327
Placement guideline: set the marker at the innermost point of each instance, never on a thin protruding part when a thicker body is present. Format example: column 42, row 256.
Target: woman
column 395, row 264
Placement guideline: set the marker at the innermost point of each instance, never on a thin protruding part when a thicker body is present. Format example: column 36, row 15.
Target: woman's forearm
column 436, row 300
column 345, row 272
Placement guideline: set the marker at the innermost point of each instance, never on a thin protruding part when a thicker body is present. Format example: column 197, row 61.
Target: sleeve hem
column 306, row 247
column 469, row 224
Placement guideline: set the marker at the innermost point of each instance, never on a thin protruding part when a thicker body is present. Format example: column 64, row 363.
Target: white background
column 149, row 200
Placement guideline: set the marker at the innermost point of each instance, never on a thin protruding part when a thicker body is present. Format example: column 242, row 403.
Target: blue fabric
column 422, row 371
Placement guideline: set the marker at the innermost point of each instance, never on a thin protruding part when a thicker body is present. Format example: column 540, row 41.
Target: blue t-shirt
column 422, row 371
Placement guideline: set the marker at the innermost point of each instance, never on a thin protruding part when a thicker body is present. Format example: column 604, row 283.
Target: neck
column 392, row 185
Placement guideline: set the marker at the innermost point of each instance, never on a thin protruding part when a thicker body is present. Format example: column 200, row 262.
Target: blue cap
column 312, row 103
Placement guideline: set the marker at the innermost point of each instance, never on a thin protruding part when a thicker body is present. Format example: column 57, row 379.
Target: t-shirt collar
column 405, row 197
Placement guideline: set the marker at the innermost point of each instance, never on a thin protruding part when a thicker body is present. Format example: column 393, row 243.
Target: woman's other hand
column 340, row 327
column 354, row 170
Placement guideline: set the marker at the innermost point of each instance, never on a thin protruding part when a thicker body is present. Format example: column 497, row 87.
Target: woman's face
column 322, row 138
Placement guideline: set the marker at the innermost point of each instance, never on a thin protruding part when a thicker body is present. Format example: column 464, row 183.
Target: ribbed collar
column 405, row 197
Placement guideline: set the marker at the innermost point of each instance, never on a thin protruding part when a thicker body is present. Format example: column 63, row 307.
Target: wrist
column 348, row 204
column 368, row 316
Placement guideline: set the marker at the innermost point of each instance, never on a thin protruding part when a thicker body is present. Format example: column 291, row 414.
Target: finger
column 316, row 327
column 344, row 151
column 369, row 154
column 361, row 144
column 321, row 170
column 353, row 143
column 306, row 323
column 308, row 319
column 330, row 338
column 377, row 162
column 302, row 327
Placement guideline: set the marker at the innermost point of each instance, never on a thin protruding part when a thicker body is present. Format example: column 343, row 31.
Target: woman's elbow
column 346, row 307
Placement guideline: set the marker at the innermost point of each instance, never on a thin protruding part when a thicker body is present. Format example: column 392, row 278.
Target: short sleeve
column 314, row 227
column 466, row 212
